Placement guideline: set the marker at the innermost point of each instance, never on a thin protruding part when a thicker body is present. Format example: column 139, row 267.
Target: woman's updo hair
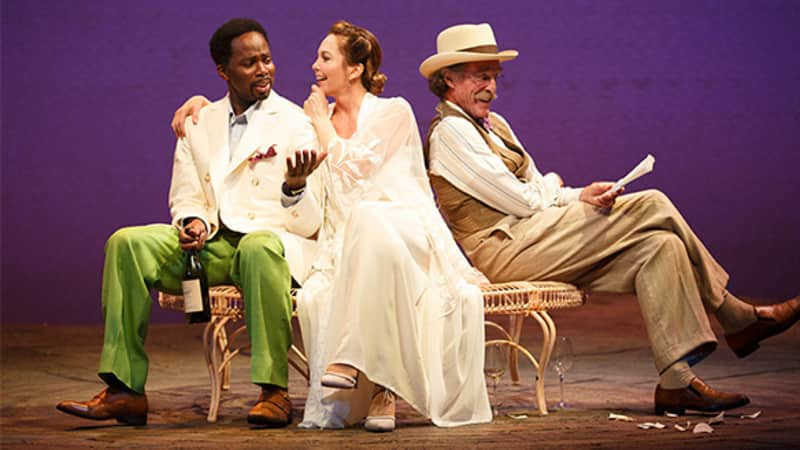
column 360, row 46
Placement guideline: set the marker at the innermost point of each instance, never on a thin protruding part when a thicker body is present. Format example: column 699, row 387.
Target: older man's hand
column 600, row 194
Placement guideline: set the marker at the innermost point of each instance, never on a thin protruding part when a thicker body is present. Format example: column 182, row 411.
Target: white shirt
column 238, row 124
column 460, row 155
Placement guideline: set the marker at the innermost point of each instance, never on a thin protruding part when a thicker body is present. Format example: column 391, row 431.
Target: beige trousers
column 643, row 245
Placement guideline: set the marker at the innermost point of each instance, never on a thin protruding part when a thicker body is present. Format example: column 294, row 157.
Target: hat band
column 481, row 49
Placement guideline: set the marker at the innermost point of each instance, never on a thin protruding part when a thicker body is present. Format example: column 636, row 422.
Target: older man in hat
column 515, row 223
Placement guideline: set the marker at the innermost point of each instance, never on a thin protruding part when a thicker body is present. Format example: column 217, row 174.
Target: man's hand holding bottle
column 193, row 235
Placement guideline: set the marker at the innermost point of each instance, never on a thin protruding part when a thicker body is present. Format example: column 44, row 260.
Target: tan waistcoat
column 466, row 215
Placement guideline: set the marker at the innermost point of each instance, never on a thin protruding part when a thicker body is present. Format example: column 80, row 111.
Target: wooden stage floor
column 613, row 373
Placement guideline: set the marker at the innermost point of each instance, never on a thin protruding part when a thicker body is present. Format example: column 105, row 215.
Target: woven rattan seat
column 517, row 300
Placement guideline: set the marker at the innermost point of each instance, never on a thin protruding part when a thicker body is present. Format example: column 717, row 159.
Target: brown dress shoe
column 273, row 409
column 126, row 407
column 698, row 396
column 770, row 320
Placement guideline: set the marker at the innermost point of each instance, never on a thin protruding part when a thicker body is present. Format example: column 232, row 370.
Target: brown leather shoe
column 273, row 409
column 126, row 407
column 698, row 396
column 771, row 320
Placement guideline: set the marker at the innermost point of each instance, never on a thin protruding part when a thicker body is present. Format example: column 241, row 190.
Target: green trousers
column 142, row 258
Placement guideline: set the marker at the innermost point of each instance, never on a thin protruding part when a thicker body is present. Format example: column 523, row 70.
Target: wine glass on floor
column 494, row 367
column 562, row 360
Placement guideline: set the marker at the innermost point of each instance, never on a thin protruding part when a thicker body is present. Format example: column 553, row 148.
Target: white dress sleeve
column 385, row 155
column 382, row 130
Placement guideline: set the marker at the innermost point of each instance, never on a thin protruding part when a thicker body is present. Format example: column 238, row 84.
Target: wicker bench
column 521, row 299
column 219, row 339
column 517, row 300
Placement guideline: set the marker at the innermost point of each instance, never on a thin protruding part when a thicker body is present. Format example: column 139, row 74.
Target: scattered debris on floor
column 702, row 427
column 719, row 418
column 620, row 417
column 751, row 416
column 683, row 428
column 648, row 425
column 699, row 428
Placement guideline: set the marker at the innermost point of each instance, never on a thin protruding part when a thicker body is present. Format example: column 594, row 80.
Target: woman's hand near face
column 316, row 108
column 192, row 108
column 316, row 105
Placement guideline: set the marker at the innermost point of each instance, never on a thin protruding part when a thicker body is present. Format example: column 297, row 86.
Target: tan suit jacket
column 212, row 182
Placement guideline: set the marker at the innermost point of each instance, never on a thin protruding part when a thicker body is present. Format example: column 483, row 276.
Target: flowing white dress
column 390, row 292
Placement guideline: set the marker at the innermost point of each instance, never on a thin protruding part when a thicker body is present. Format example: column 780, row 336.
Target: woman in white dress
column 392, row 307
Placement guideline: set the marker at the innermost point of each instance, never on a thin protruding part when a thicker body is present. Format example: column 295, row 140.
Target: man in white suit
column 226, row 201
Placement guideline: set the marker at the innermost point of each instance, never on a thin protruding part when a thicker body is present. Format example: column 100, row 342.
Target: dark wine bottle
column 196, row 304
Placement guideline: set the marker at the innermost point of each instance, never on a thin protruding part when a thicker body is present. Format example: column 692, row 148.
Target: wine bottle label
column 192, row 296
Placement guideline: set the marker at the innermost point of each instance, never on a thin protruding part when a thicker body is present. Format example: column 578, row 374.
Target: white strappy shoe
column 381, row 415
column 340, row 376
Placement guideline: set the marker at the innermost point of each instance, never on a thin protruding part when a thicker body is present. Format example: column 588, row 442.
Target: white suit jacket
column 211, row 182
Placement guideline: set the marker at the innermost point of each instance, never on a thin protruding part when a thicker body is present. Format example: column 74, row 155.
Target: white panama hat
column 464, row 43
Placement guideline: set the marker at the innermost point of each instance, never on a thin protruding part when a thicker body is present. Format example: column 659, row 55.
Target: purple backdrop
column 711, row 88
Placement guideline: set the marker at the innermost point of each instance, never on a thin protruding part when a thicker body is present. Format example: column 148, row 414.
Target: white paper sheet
column 644, row 167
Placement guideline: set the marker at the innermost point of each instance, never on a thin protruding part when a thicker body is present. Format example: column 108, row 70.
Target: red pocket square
column 261, row 154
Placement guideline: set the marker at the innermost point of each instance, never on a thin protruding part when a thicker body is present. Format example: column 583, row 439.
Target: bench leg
column 298, row 360
column 214, row 357
column 225, row 374
column 548, row 341
column 519, row 348
column 515, row 323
